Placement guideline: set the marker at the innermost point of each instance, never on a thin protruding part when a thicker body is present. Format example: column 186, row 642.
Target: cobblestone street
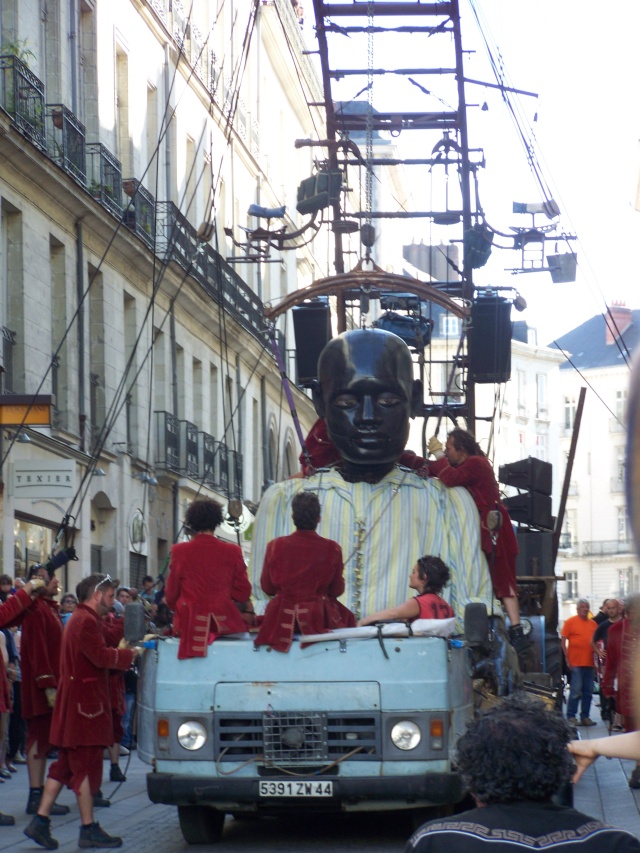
column 146, row 828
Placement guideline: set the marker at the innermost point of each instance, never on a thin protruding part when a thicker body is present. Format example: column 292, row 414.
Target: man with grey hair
column 577, row 634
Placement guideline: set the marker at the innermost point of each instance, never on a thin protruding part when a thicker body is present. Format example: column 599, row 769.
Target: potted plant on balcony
column 129, row 186
column 57, row 118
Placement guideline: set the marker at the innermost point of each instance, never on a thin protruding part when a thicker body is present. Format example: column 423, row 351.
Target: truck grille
column 297, row 737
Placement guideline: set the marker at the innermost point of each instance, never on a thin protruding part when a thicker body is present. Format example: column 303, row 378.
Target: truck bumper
column 348, row 793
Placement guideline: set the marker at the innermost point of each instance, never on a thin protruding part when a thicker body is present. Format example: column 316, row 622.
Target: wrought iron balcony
column 208, row 460
column 140, row 213
column 104, row 177
column 189, row 449
column 606, row 548
column 160, row 8
column 617, row 484
column 66, row 141
column 226, row 287
column 176, row 236
column 177, row 240
column 168, row 441
column 22, row 96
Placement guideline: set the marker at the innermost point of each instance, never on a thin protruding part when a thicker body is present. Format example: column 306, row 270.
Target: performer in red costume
column 304, row 573
column 206, row 579
column 17, row 603
column 462, row 463
column 40, row 662
column 82, row 725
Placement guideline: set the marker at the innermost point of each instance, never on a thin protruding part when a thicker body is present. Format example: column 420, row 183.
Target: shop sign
column 43, row 479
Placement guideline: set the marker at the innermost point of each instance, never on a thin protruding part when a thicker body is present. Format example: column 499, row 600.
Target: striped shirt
column 383, row 528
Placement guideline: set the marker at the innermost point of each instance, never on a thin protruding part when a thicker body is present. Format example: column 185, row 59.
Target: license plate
column 296, row 789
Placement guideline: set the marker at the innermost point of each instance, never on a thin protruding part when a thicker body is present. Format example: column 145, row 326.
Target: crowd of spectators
column 32, row 627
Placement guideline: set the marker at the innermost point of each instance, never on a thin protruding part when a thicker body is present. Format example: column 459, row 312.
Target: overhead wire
column 529, row 142
column 114, row 405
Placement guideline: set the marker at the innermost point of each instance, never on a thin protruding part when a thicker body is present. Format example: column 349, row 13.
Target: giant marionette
column 383, row 515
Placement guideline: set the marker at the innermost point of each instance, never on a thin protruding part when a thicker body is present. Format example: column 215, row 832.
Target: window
column 542, row 409
column 123, row 141
column 130, row 339
column 569, row 412
column 570, row 585
column 621, row 404
column 622, row 524
column 59, row 361
column 449, row 326
column 541, row 447
column 522, row 398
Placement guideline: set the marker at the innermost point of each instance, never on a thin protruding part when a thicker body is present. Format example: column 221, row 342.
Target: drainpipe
column 174, row 404
column 82, row 416
column 73, row 39
column 239, row 391
column 263, row 427
column 167, row 136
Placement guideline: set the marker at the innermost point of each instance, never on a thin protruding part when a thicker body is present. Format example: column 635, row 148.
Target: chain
column 369, row 123
column 358, row 568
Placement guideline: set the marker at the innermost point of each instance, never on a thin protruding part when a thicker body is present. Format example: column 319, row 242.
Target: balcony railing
column 255, row 138
column 160, row 8
column 168, row 441
column 140, row 213
column 104, row 177
column 177, row 240
column 22, row 96
column 606, row 548
column 66, row 141
column 189, row 449
column 207, row 459
column 198, row 54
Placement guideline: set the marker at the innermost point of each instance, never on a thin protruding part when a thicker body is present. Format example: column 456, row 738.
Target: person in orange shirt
column 577, row 634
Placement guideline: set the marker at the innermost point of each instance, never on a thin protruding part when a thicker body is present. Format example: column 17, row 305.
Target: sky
column 581, row 60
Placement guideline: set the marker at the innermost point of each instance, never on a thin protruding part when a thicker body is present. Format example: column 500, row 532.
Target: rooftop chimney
column 618, row 321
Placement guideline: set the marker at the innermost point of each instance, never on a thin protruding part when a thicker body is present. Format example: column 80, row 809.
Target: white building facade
column 597, row 557
column 124, row 127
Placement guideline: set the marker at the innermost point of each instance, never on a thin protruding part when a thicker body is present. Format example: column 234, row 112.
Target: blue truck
column 348, row 723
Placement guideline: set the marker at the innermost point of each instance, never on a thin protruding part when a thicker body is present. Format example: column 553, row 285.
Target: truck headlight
column 192, row 735
column 406, row 735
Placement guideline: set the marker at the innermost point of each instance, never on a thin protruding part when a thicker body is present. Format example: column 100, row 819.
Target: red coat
column 40, row 655
column 476, row 475
column 619, row 663
column 304, row 573
column 82, row 714
column 14, row 606
column 207, row 576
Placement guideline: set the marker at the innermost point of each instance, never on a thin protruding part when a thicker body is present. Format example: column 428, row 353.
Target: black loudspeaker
column 312, row 328
column 135, row 626
column 489, row 338
column 530, row 473
column 530, row 508
column 536, row 554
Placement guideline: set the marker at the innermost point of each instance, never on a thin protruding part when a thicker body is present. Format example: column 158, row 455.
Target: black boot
column 94, row 835
column 116, row 774
column 518, row 639
column 7, row 820
column 35, row 795
column 39, row 830
column 100, row 802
